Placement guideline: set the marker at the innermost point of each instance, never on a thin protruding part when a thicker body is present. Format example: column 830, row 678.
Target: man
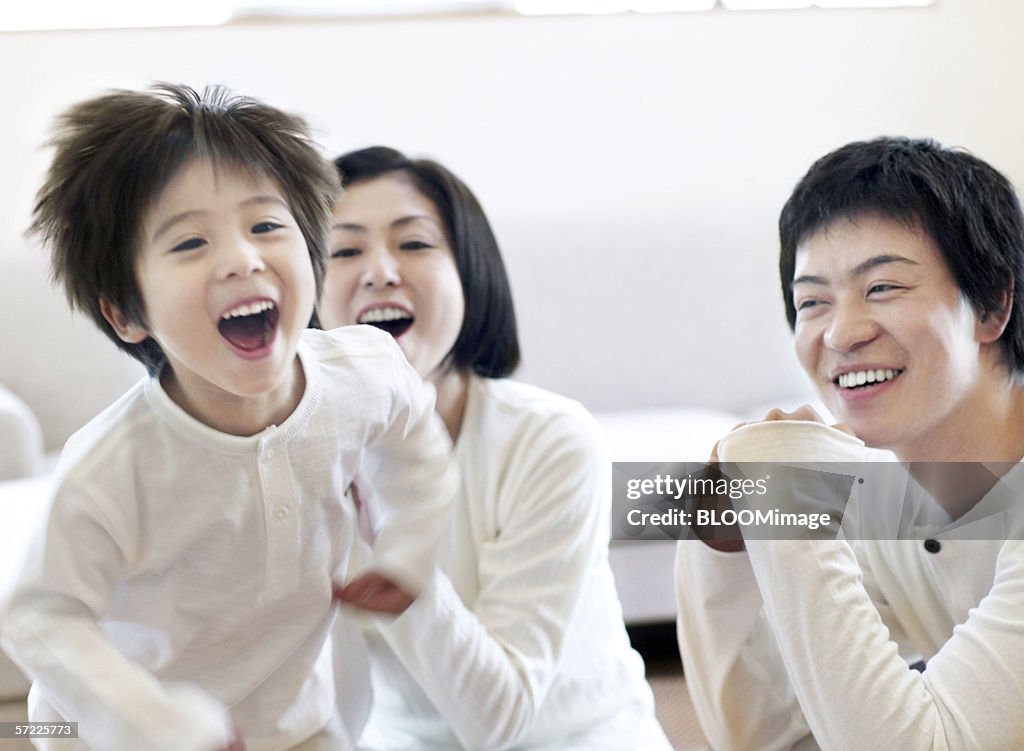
column 901, row 267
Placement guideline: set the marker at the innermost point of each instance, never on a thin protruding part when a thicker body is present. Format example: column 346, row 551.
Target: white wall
column 633, row 166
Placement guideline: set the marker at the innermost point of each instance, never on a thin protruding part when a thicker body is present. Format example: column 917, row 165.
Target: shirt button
column 932, row 546
column 268, row 456
column 281, row 512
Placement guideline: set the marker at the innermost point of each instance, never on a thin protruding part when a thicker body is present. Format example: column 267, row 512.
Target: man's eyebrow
column 254, row 200
column 860, row 269
column 882, row 260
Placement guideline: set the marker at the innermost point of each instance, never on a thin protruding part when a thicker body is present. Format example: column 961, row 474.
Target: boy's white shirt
column 118, row 615
column 801, row 644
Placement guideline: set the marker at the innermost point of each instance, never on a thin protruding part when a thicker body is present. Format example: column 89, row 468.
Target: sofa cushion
column 23, row 504
column 21, row 438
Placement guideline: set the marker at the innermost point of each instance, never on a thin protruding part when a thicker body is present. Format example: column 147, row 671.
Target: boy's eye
column 264, row 227
column 414, row 245
column 345, row 252
column 191, row 244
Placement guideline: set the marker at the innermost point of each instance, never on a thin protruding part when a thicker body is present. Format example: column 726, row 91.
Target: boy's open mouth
column 395, row 321
column 250, row 326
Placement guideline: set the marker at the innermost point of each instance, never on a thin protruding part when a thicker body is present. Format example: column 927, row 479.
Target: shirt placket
column 280, row 511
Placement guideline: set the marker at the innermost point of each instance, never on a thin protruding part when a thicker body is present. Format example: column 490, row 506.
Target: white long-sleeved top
column 182, row 581
column 803, row 644
column 519, row 641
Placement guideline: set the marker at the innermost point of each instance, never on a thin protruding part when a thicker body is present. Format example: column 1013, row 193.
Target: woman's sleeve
column 409, row 469
column 50, row 628
column 488, row 667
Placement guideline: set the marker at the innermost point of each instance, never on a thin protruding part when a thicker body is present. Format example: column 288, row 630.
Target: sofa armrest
column 21, row 438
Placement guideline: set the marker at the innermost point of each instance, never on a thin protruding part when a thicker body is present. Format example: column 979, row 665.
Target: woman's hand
column 375, row 593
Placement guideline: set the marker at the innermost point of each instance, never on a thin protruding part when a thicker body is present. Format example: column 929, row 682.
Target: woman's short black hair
column 488, row 342
column 963, row 204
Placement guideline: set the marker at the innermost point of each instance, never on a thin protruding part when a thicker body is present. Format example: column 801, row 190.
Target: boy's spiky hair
column 115, row 153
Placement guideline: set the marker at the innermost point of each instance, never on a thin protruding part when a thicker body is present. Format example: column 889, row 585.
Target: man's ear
column 992, row 323
column 127, row 330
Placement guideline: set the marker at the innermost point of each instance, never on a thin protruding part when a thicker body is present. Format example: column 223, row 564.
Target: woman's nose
column 381, row 270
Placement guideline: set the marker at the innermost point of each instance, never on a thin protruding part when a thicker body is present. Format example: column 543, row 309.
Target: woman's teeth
column 861, row 377
column 379, row 315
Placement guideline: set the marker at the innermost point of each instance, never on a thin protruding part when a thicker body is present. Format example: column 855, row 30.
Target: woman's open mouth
column 250, row 326
column 396, row 321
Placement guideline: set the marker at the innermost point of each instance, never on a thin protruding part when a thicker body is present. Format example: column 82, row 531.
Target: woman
column 519, row 641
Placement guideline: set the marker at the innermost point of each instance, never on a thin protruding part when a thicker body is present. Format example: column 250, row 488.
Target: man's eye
column 883, row 288
column 345, row 252
column 807, row 304
column 264, row 227
column 191, row 244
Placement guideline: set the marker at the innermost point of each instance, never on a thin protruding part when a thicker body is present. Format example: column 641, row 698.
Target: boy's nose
column 241, row 258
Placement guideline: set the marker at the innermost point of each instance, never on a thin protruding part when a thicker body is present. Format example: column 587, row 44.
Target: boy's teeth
column 383, row 314
column 249, row 309
column 860, row 377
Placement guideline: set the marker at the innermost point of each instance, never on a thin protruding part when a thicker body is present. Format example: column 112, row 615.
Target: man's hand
column 729, row 540
column 375, row 593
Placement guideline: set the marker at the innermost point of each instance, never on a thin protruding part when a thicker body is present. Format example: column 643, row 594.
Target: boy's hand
column 375, row 593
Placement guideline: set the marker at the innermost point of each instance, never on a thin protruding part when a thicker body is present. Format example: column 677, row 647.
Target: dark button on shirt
column 932, row 546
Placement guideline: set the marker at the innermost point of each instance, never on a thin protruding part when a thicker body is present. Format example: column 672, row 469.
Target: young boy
column 902, row 268
column 180, row 594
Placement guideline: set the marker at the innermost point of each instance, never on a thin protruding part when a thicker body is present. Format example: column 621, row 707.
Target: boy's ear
column 992, row 323
column 127, row 330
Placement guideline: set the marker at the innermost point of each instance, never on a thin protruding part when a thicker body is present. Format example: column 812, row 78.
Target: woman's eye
column 414, row 245
column 191, row 244
column 807, row 304
column 345, row 252
column 264, row 227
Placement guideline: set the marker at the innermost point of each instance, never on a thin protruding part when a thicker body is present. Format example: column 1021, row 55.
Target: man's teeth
column 378, row 315
column 860, row 377
column 249, row 309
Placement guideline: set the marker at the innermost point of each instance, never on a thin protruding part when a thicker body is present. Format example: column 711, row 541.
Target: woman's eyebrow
column 413, row 218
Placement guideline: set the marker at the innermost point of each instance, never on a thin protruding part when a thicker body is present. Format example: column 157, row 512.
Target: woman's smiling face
column 392, row 266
